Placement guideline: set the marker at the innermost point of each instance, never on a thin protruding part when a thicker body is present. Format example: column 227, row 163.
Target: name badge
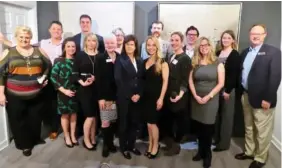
column 261, row 53
column 109, row 60
column 36, row 56
column 175, row 62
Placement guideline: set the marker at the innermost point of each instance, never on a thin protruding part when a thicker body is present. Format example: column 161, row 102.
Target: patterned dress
column 61, row 76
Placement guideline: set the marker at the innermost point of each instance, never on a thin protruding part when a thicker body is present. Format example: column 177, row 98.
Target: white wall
column 211, row 21
column 277, row 123
column 105, row 16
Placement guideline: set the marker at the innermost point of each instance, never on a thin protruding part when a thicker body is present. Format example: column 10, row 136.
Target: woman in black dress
column 106, row 87
column 61, row 77
column 128, row 77
column 156, row 81
column 83, row 71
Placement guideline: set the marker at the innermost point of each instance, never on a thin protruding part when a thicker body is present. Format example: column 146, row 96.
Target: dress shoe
column 147, row 153
column 53, row 136
column 86, row 147
column 94, row 144
column 113, row 149
column 68, row 145
column 105, row 151
column 218, row 149
column 75, row 143
column 243, row 156
column 256, row 164
column 207, row 162
column 27, row 152
column 197, row 157
column 126, row 155
column 135, row 151
column 153, row 156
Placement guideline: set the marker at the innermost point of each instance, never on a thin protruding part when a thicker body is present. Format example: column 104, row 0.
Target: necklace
column 92, row 62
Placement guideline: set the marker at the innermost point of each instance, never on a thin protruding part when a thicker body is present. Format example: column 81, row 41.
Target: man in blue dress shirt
column 260, row 79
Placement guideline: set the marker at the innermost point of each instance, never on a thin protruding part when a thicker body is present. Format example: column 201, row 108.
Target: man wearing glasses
column 260, row 79
column 192, row 34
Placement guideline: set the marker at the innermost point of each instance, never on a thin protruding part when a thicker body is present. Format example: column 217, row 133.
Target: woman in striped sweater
column 23, row 73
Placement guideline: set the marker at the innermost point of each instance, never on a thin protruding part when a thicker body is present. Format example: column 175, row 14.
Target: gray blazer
column 165, row 46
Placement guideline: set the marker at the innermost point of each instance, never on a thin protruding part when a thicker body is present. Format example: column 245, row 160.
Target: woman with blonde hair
column 23, row 74
column 206, row 80
column 84, row 74
column 230, row 57
column 155, row 86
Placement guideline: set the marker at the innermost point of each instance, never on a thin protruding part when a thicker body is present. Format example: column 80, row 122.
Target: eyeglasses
column 119, row 35
column 257, row 34
column 193, row 35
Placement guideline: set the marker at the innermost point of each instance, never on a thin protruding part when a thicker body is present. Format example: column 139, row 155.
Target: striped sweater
column 19, row 74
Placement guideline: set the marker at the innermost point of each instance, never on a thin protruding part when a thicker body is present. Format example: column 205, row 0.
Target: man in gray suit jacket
column 156, row 30
column 260, row 79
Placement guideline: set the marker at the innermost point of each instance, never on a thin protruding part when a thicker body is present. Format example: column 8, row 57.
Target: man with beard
column 156, row 30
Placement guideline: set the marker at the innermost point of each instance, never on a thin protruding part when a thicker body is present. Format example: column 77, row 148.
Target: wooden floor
column 56, row 155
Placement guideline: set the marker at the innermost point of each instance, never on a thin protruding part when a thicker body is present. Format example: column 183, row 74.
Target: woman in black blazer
column 128, row 77
column 177, row 91
column 229, row 56
column 106, row 89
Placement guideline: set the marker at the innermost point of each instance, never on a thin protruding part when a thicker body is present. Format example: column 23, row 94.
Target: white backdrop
column 210, row 19
column 105, row 16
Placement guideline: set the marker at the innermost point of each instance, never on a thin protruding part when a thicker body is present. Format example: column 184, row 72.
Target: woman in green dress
column 61, row 78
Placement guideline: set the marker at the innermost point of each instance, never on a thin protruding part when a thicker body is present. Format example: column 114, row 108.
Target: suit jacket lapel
column 262, row 49
column 127, row 65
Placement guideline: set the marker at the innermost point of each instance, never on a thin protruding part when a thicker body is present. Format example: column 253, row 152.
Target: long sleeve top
column 19, row 74
column 61, row 74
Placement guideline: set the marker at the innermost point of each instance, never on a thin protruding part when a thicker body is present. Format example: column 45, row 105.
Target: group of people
column 172, row 91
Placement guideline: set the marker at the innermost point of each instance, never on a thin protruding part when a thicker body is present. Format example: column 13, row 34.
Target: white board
column 106, row 16
column 210, row 19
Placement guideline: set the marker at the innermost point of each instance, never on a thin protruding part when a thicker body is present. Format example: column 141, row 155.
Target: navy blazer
column 101, row 47
column 264, row 77
column 128, row 81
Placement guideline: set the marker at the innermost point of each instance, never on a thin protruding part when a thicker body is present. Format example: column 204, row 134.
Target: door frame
column 31, row 7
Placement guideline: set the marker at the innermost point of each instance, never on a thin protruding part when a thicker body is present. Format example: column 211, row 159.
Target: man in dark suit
column 85, row 25
column 260, row 79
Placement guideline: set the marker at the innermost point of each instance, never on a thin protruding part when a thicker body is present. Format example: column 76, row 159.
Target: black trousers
column 204, row 134
column 172, row 124
column 51, row 118
column 25, row 118
column 128, row 124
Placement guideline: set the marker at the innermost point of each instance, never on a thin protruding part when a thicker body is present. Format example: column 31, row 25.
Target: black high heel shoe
column 75, row 143
column 94, row 145
column 147, row 153
column 68, row 145
column 90, row 149
column 151, row 156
